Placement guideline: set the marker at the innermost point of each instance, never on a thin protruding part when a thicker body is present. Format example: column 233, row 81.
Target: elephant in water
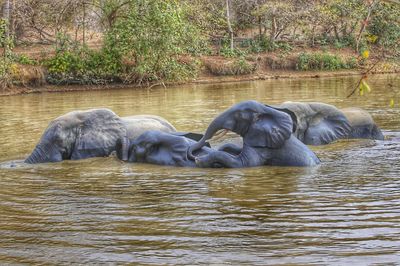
column 92, row 133
column 136, row 125
column 267, row 139
column 162, row 148
column 320, row 123
column 362, row 124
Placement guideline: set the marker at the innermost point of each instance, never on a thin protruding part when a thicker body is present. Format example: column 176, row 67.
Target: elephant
column 91, row 133
column 362, row 124
column 136, row 125
column 168, row 148
column 267, row 139
column 162, row 148
column 320, row 123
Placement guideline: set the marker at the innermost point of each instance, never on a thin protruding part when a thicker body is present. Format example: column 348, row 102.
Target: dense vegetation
column 153, row 41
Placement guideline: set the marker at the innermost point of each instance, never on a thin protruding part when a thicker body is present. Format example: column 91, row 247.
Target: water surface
column 100, row 210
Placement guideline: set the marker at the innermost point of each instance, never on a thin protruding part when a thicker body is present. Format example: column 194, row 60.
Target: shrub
column 153, row 34
column 323, row 61
column 239, row 66
column 280, row 62
column 226, row 51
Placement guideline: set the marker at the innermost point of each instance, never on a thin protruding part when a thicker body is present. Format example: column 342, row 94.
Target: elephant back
column 358, row 116
column 138, row 124
column 318, row 123
column 362, row 124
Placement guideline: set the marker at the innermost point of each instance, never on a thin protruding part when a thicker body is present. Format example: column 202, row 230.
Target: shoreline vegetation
column 111, row 44
column 202, row 79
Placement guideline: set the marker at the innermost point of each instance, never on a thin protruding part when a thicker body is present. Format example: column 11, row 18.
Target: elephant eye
column 151, row 148
column 217, row 165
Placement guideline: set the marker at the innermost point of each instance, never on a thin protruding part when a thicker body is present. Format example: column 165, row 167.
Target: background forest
column 150, row 41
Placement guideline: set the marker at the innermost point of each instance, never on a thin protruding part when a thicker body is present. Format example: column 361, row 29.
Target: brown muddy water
column 102, row 211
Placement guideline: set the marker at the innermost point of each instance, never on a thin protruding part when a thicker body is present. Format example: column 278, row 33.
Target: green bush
column 83, row 66
column 226, row 51
column 242, row 67
column 385, row 26
column 24, row 60
column 238, row 66
column 323, row 61
column 153, row 35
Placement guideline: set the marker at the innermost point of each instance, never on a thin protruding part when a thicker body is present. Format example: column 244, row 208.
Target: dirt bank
column 214, row 69
column 204, row 79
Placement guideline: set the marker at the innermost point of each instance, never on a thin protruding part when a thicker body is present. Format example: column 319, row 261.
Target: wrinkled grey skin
column 162, row 148
column 92, row 133
column 318, row 123
column 79, row 135
column 362, row 124
column 136, row 125
column 267, row 139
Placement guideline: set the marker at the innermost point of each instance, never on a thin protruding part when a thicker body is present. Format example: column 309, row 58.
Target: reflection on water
column 347, row 210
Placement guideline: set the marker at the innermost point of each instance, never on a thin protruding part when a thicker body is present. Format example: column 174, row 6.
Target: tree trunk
column 228, row 20
column 364, row 25
column 84, row 24
column 274, row 29
column 7, row 16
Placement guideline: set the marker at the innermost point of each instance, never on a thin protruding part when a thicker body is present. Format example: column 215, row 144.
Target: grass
column 239, row 66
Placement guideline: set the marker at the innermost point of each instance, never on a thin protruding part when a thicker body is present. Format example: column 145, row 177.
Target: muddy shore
column 202, row 79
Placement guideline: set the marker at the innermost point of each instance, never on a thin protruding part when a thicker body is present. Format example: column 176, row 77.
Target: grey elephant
column 320, row 123
column 267, row 139
column 92, row 133
column 362, row 124
column 163, row 148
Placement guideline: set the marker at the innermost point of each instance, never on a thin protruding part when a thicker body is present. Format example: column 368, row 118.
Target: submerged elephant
column 92, row 133
column 320, row 123
column 162, row 148
column 362, row 124
column 136, row 125
column 267, row 139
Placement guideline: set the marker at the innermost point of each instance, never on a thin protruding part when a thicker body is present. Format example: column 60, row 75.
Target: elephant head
column 162, row 148
column 266, row 133
column 318, row 123
column 80, row 135
column 362, row 124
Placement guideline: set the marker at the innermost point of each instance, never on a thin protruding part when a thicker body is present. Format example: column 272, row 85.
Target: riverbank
column 219, row 69
column 16, row 90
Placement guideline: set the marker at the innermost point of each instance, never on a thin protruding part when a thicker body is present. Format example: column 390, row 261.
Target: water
column 102, row 211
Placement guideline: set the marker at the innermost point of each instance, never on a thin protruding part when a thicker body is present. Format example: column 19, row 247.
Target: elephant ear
column 179, row 153
column 293, row 116
column 269, row 129
column 97, row 134
column 326, row 129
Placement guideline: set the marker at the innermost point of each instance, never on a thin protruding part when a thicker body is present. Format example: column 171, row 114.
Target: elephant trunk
column 215, row 125
column 38, row 155
column 122, row 147
column 125, row 148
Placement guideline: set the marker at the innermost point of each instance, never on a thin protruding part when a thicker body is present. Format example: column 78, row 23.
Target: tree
column 152, row 36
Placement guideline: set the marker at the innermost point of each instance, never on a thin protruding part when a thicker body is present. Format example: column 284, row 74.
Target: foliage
column 153, row 35
column 6, row 44
column 24, row 60
column 384, row 27
column 323, row 61
column 79, row 64
column 226, row 51
column 237, row 66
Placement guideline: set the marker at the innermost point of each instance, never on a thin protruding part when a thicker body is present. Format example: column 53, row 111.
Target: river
column 103, row 211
